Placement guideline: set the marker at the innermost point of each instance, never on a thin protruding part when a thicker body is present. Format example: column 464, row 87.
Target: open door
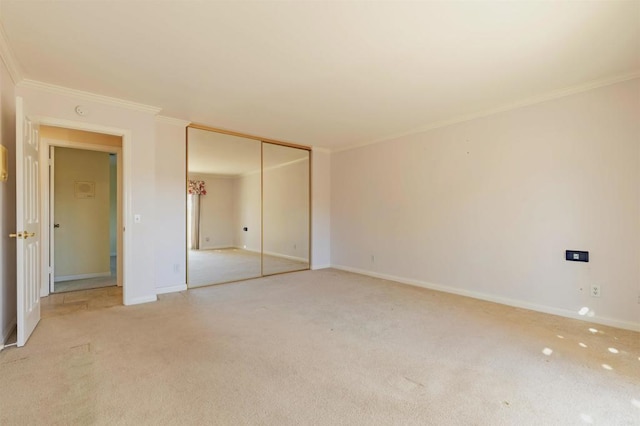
column 27, row 223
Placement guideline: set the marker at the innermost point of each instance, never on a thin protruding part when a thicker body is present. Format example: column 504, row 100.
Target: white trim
column 60, row 143
column 497, row 299
column 125, row 165
column 172, row 121
column 7, row 332
column 80, row 125
column 46, row 181
column 288, row 163
column 140, row 300
column 62, row 278
column 269, row 253
column 203, row 247
column 171, row 289
column 277, row 166
column 9, row 59
column 316, row 267
column 594, row 84
column 285, row 256
column 88, row 96
column 321, row 149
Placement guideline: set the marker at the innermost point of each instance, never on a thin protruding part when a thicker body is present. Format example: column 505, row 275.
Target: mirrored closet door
column 285, row 209
column 224, row 235
column 248, row 207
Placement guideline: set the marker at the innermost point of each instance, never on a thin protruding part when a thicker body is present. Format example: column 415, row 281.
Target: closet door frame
column 262, row 142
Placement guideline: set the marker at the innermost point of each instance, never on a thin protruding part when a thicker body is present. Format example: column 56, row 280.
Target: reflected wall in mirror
column 224, row 235
column 285, row 209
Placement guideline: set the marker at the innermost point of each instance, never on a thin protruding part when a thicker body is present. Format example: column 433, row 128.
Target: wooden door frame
column 47, row 144
column 124, row 174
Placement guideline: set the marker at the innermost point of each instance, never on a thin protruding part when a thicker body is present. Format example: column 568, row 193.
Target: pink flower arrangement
column 196, row 187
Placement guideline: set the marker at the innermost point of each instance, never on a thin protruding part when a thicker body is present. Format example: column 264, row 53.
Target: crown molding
column 8, row 58
column 321, row 149
column 572, row 90
column 88, row 96
column 172, row 121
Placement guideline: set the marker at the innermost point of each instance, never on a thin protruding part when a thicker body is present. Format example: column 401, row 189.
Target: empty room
column 327, row 212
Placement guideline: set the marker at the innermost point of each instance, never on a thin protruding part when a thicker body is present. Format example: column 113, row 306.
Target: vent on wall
column 85, row 189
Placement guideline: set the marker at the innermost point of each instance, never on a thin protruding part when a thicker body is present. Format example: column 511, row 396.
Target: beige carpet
column 320, row 348
column 225, row 265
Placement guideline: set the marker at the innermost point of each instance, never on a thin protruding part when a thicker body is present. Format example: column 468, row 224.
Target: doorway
column 83, row 200
column 84, row 206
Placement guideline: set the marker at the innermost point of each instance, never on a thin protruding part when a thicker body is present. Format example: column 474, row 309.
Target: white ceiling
column 330, row 74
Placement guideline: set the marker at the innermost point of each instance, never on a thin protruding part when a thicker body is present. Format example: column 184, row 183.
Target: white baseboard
column 171, row 289
column 140, row 300
column 81, row 276
column 286, row 256
column 7, row 332
column 247, row 249
column 214, row 247
column 627, row 325
column 316, row 267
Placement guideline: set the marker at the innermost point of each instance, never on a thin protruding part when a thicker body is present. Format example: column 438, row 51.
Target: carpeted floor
column 225, row 265
column 324, row 348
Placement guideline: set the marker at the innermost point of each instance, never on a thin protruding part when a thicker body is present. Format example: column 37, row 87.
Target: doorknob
column 56, row 225
column 23, row 235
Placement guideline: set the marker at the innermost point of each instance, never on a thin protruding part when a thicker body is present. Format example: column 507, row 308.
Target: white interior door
column 28, row 223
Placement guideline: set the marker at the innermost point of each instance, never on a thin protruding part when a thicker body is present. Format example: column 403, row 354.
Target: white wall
column 320, row 209
column 488, row 207
column 82, row 245
column 247, row 211
column 217, row 221
column 170, row 207
column 7, row 207
column 141, row 152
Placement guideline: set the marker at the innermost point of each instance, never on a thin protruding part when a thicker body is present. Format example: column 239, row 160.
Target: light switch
column 137, row 218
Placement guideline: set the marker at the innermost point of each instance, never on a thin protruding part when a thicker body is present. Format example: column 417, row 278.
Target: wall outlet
column 595, row 290
column 373, row 259
column 176, row 268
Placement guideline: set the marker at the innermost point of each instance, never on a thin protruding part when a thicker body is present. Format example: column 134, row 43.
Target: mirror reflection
column 223, row 208
column 285, row 209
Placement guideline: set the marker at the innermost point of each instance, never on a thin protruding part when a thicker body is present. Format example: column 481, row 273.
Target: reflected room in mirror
column 247, row 208
column 223, row 208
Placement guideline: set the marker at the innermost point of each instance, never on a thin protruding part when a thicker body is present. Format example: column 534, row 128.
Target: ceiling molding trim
column 594, row 84
column 88, row 96
column 9, row 59
column 173, row 121
column 321, row 149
